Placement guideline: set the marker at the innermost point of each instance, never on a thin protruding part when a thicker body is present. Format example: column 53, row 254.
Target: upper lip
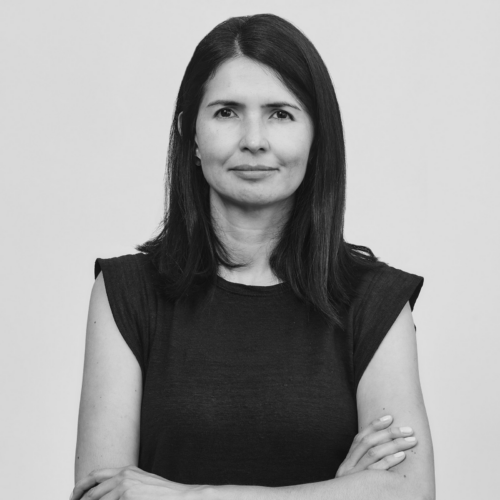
column 253, row 167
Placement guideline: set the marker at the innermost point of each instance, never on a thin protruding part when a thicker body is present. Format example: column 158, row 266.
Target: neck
column 249, row 234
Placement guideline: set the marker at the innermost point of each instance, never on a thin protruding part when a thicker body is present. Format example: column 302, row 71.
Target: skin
column 248, row 210
column 248, row 117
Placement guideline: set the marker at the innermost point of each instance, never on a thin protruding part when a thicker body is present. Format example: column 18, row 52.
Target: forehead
column 242, row 77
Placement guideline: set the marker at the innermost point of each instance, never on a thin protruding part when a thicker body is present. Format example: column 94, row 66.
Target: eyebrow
column 279, row 104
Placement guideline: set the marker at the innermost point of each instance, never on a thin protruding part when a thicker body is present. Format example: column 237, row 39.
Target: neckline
column 254, row 290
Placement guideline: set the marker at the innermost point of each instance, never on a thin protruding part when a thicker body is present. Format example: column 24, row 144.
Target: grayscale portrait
column 244, row 249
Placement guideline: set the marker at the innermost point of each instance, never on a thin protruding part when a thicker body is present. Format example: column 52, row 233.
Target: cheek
column 215, row 146
column 215, row 150
column 294, row 150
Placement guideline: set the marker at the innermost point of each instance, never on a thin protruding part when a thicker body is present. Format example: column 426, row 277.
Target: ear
column 179, row 123
column 196, row 151
column 179, row 128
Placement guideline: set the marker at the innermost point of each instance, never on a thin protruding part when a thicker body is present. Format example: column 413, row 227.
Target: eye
column 283, row 115
column 224, row 113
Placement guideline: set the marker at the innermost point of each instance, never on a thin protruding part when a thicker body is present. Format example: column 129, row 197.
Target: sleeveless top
column 245, row 386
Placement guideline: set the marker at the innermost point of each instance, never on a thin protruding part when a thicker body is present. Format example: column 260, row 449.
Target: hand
column 377, row 447
column 113, row 484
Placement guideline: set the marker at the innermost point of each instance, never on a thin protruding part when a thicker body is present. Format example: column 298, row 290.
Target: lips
column 253, row 168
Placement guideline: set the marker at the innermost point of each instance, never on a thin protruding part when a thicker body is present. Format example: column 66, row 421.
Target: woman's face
column 253, row 136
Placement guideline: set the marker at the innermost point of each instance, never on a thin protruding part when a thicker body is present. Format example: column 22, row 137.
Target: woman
column 249, row 351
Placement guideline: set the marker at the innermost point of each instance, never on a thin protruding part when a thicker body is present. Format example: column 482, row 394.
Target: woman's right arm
column 109, row 417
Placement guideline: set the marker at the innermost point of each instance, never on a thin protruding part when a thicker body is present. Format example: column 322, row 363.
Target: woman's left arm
column 391, row 384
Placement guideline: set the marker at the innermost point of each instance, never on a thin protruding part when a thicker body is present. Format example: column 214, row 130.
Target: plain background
column 87, row 95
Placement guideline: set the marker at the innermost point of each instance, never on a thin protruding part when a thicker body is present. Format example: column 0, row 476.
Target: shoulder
column 131, row 263
column 129, row 275
column 128, row 288
column 381, row 297
column 384, row 284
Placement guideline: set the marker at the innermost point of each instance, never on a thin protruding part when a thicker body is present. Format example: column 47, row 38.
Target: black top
column 245, row 387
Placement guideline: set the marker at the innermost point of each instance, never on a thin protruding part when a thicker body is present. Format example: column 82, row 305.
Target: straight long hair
column 311, row 254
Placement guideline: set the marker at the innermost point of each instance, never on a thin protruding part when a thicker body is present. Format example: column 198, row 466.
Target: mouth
column 253, row 168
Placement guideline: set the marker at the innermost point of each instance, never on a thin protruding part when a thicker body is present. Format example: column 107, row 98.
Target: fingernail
column 386, row 418
column 411, row 439
column 406, row 430
column 399, row 454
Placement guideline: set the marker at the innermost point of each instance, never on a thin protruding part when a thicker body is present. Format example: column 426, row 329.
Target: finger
column 377, row 438
column 112, row 488
column 374, row 426
column 378, row 424
column 114, row 494
column 379, row 452
column 101, row 489
column 123, row 479
column 93, row 479
column 385, row 436
column 390, row 461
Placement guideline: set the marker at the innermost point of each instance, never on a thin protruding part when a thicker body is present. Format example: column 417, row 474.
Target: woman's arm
column 390, row 385
column 108, row 422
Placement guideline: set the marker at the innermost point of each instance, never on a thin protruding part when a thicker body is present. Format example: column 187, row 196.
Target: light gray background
column 87, row 94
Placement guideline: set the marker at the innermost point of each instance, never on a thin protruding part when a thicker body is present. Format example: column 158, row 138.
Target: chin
column 264, row 202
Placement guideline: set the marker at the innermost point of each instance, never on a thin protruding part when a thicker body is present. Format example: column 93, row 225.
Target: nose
column 254, row 136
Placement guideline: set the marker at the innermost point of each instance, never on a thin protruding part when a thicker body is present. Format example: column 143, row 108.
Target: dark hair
column 311, row 254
